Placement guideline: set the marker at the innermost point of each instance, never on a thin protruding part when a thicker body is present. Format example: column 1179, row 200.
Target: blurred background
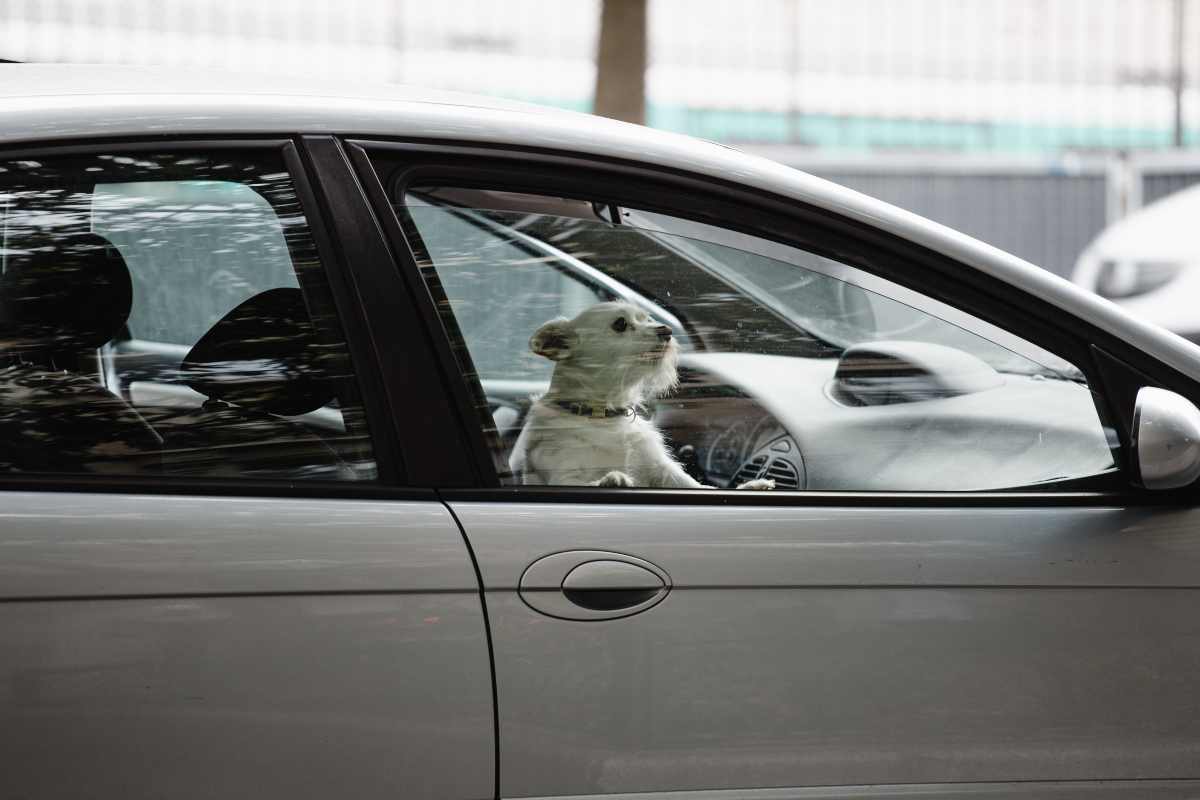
column 1034, row 125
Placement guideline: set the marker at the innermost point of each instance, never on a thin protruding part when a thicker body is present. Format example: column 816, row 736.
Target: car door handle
column 593, row 584
column 608, row 585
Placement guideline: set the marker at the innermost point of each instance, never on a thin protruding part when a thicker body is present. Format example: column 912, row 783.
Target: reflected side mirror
column 1166, row 439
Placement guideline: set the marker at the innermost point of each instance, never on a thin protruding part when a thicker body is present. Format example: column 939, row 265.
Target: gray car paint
column 798, row 645
column 157, row 646
column 841, row 645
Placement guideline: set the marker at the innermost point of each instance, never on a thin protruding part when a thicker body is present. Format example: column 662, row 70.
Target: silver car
column 264, row 359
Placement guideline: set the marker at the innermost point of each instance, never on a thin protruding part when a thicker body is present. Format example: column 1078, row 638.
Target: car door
column 955, row 589
column 222, row 569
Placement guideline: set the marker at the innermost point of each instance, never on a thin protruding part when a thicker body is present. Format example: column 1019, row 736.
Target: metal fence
column 1162, row 174
column 1155, row 186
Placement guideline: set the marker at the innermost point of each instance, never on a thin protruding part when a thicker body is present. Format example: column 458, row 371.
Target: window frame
column 387, row 167
column 391, row 481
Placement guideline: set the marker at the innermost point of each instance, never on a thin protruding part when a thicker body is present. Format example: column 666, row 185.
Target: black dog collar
column 595, row 412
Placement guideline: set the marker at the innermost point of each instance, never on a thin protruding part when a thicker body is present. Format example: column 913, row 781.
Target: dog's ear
column 554, row 339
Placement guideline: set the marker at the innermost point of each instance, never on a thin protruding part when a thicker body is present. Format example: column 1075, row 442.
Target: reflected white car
column 1149, row 263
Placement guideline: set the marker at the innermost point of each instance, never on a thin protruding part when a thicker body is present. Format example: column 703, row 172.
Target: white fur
column 601, row 367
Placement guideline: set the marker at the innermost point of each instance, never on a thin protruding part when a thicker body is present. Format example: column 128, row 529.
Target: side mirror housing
column 1166, row 439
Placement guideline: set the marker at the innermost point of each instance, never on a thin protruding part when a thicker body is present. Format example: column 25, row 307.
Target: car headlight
column 1120, row 279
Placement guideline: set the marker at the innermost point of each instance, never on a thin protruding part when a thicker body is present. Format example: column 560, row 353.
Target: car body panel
column 843, row 645
column 195, row 646
column 155, row 644
column 115, row 545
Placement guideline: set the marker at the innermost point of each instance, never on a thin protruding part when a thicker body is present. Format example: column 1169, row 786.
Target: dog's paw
column 616, row 479
column 758, row 485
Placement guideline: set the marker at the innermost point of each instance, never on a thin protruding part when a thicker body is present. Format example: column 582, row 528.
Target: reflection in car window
column 836, row 302
column 214, row 242
column 498, row 308
column 165, row 314
column 762, row 366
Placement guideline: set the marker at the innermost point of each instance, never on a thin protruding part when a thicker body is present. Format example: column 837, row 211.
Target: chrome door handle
column 593, row 584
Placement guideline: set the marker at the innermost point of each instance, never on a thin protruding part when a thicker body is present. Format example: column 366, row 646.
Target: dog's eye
column 620, row 325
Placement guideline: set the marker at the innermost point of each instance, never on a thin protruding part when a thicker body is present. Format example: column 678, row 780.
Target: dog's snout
column 663, row 332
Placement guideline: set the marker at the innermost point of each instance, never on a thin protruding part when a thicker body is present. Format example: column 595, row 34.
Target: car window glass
column 843, row 304
column 165, row 314
column 497, row 309
column 755, row 361
column 215, row 242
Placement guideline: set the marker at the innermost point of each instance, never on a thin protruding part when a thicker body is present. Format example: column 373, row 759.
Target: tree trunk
column 621, row 61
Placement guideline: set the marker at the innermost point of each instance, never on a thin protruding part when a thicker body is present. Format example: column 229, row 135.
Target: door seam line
column 487, row 629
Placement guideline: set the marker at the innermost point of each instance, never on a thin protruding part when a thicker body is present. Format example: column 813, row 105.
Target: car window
column 166, row 314
column 748, row 362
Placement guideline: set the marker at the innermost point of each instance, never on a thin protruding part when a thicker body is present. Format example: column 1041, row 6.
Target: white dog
column 586, row 429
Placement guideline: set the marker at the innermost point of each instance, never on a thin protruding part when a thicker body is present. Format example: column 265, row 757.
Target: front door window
column 585, row 327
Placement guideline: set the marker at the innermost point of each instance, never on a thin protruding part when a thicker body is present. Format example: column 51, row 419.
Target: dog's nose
column 663, row 332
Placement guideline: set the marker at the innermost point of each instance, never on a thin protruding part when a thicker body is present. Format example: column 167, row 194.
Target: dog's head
column 613, row 351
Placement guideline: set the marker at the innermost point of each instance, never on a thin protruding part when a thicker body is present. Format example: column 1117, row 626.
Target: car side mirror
column 1166, row 438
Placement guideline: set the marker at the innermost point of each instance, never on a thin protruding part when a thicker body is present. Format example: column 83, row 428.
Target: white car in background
column 1149, row 263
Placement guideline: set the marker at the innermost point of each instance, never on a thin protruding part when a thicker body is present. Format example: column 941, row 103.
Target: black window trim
column 474, row 448
column 414, row 381
column 763, row 214
column 363, row 358
column 389, row 484
column 580, row 495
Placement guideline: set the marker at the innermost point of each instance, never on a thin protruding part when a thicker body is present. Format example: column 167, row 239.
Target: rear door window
column 166, row 314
